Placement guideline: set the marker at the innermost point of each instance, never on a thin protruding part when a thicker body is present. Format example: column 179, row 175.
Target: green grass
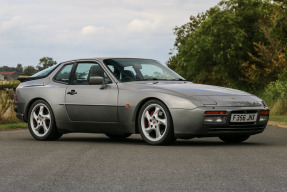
column 279, row 118
column 10, row 126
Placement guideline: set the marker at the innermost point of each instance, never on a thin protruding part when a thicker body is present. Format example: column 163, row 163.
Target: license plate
column 250, row 117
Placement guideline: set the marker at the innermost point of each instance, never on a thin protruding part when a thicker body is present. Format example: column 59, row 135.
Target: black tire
column 118, row 136
column 42, row 125
column 234, row 138
column 158, row 130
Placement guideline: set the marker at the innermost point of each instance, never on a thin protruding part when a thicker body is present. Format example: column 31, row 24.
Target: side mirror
column 97, row 80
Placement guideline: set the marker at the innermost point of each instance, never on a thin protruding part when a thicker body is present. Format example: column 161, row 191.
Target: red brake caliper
column 151, row 114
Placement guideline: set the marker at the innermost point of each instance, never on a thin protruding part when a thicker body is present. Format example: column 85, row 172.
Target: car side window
column 63, row 75
column 86, row 70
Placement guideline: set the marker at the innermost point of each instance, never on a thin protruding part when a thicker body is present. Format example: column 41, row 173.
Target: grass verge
column 10, row 126
column 278, row 120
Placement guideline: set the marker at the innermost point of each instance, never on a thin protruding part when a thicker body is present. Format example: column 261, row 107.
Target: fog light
column 215, row 119
column 218, row 119
column 263, row 118
column 208, row 119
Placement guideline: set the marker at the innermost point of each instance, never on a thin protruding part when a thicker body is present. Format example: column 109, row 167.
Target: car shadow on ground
column 138, row 141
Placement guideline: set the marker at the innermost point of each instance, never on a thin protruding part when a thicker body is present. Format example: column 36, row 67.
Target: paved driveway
column 93, row 162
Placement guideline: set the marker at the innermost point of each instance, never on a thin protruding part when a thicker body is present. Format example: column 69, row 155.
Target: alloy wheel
column 154, row 122
column 40, row 120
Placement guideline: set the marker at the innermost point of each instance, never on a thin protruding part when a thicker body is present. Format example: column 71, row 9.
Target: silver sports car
column 124, row 96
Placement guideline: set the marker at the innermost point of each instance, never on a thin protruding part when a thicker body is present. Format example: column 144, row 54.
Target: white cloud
column 69, row 29
column 91, row 30
column 142, row 26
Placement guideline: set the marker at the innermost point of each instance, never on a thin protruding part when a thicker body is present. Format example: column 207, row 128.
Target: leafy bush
column 9, row 85
column 7, row 114
column 275, row 95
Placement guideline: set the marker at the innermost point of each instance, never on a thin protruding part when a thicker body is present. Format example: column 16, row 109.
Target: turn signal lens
column 215, row 112
column 15, row 97
column 264, row 112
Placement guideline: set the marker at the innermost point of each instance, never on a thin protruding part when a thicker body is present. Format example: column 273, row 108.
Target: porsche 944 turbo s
column 124, row 96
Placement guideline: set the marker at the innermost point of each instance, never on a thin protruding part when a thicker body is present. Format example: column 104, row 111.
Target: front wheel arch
column 138, row 108
column 164, row 138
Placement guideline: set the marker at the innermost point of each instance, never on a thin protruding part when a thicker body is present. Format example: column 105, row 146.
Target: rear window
column 45, row 71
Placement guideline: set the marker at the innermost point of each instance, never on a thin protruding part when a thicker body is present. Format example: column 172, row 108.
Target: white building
column 1, row 77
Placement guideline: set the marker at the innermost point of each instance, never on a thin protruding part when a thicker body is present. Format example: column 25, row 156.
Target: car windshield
column 140, row 70
column 45, row 71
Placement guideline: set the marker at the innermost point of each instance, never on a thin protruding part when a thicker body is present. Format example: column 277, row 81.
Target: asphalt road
column 93, row 162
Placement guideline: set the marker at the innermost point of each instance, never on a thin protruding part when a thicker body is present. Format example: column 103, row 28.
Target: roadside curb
column 273, row 123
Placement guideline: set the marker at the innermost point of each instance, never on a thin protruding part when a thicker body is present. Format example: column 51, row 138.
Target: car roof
column 102, row 58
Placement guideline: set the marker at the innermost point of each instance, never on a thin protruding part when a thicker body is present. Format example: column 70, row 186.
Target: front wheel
column 234, row 139
column 41, row 122
column 155, row 123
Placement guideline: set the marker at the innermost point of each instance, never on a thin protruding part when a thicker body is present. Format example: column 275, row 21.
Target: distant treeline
column 44, row 63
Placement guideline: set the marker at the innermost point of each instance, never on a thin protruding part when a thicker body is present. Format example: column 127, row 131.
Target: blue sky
column 71, row 29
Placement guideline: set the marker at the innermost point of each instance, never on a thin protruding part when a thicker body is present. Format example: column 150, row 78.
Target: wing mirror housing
column 97, row 80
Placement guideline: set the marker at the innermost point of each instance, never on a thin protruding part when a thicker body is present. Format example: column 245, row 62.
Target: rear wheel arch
column 30, row 103
column 41, row 121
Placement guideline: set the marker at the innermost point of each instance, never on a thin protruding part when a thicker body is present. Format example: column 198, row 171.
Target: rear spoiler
column 24, row 79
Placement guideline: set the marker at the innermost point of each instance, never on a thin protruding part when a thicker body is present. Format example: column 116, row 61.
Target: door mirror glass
column 96, row 80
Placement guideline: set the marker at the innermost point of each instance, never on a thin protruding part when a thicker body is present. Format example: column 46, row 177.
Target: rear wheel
column 155, row 123
column 118, row 136
column 41, row 122
column 234, row 139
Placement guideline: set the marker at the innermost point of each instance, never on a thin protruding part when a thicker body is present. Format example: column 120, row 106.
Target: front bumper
column 190, row 123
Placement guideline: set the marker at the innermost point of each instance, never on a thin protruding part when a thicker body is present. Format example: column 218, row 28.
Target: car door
column 91, row 103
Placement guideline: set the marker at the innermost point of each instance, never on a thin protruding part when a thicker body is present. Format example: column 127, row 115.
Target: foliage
column 212, row 46
column 9, row 85
column 275, row 95
column 45, row 62
column 30, row 70
column 7, row 68
column 19, row 68
column 7, row 114
column 269, row 60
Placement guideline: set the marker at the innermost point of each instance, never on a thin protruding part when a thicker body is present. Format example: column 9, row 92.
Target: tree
column 7, row 68
column 269, row 62
column 19, row 68
column 29, row 70
column 45, row 62
column 212, row 46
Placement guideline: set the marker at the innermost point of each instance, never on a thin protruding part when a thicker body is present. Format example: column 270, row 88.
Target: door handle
column 72, row 92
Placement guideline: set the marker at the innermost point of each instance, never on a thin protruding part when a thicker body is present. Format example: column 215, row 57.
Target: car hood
column 208, row 94
column 192, row 89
